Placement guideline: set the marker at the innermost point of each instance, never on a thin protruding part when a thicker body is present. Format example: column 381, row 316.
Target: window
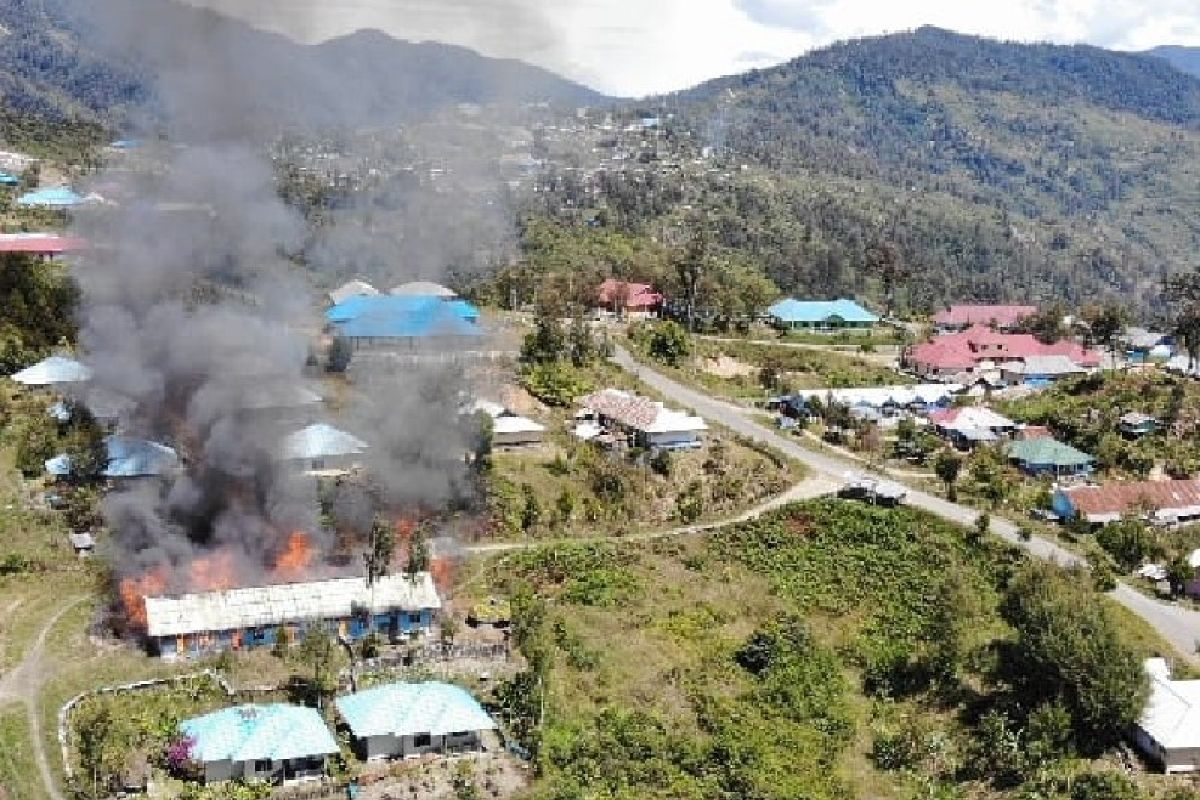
column 422, row 740
column 262, row 766
column 460, row 735
column 414, row 619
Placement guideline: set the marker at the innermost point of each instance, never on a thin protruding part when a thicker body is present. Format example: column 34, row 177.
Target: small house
column 1049, row 457
column 1166, row 502
column 127, row 459
column 972, row 426
column 1168, row 732
column 57, row 197
column 1041, row 371
column 276, row 742
column 510, row 430
column 648, row 424
column 84, row 544
column 1144, row 346
column 54, row 371
column 628, row 299
column 322, row 448
column 403, row 720
column 821, row 315
column 1135, row 425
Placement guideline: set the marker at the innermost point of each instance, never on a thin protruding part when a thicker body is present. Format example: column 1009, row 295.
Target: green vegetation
column 828, row 650
column 37, row 309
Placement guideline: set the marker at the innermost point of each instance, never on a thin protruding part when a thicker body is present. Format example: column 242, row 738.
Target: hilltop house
column 274, row 742
column 1167, row 502
column 509, row 429
column 961, row 317
column 322, row 448
column 1043, row 456
column 54, row 371
column 412, row 719
column 1040, row 371
column 647, row 423
column 980, row 349
column 628, row 299
column 1168, row 732
column 820, row 315
column 194, row 625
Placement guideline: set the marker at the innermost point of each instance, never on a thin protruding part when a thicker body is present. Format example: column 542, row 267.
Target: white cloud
column 635, row 47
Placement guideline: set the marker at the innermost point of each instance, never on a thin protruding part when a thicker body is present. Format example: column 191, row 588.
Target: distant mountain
column 105, row 62
column 999, row 170
column 1184, row 58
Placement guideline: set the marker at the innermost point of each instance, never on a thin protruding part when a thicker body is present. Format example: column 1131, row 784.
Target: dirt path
column 24, row 683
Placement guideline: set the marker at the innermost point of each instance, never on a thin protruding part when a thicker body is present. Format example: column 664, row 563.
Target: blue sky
column 636, row 47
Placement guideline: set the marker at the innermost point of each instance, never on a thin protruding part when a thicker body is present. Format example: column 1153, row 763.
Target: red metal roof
column 1003, row 316
column 626, row 408
column 979, row 343
column 635, row 295
column 1118, row 498
column 39, row 243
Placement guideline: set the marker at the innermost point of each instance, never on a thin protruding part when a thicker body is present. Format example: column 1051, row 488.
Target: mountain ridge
column 1183, row 58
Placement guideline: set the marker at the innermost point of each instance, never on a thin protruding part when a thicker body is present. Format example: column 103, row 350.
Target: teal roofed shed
column 276, row 741
column 53, row 197
column 403, row 719
column 821, row 314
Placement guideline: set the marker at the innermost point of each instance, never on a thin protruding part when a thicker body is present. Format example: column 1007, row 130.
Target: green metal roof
column 1048, row 451
column 259, row 732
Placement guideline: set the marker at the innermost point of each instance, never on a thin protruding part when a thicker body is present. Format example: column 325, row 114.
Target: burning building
column 193, row 625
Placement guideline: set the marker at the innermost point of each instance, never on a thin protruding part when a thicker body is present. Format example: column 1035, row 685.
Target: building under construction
column 192, row 625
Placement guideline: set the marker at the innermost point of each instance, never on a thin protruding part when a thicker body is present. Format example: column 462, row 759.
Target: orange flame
column 442, row 570
column 134, row 592
column 296, row 557
column 405, row 528
column 215, row 573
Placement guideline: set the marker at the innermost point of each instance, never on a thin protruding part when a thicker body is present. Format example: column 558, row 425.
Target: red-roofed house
column 980, row 348
column 1165, row 501
column 46, row 245
column 629, row 298
column 957, row 318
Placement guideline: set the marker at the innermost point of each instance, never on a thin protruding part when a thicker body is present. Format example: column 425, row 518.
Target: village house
column 323, row 449
column 44, row 245
column 971, row 426
column 509, row 429
column 276, row 743
column 1135, row 425
column 647, row 424
column 1043, row 456
column 54, row 371
column 423, row 289
column 979, row 349
column 194, row 625
column 1164, row 502
column 1168, row 732
column 628, row 299
column 821, row 315
column 1002, row 318
column 1143, row 346
column 54, row 197
column 127, row 459
column 405, row 720
column 1040, row 371
column 354, row 288
column 404, row 323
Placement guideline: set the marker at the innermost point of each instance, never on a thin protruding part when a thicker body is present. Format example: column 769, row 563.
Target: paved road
column 1177, row 625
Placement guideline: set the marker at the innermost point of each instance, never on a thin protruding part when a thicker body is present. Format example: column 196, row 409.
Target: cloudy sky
column 637, row 47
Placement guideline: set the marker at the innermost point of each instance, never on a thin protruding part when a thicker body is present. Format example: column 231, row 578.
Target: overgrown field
column 829, row 650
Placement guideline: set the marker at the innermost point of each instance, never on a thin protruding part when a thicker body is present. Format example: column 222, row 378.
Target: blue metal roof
column 402, row 709
column 321, row 441
column 54, row 197
column 127, row 458
column 259, row 732
column 53, row 370
column 8, row 179
column 403, row 316
column 816, row 311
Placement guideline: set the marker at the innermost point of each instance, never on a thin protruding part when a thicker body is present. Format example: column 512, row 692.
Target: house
column 45, row 245
column 54, row 371
column 1026, row 432
column 52, row 197
column 629, row 299
column 275, row 742
column 1049, row 457
column 1040, row 371
column 404, row 322
column 84, row 544
column 887, row 399
column 647, row 423
column 821, row 315
column 423, row 289
column 961, row 317
column 323, row 448
column 1168, row 732
column 402, row 720
column 979, row 349
column 1135, row 425
column 971, row 426
column 1166, row 502
column 127, row 459
column 194, row 625
column 282, row 404
column 8, row 179
column 354, row 288
column 1144, row 346
column 510, row 430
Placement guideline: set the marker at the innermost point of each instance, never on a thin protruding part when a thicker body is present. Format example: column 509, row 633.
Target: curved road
column 1177, row 625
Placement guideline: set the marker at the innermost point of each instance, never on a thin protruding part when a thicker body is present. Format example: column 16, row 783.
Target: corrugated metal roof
column 403, row 709
column 983, row 315
column 350, row 289
column 41, row 243
column 1172, row 715
column 321, row 441
column 52, row 197
column 878, row 396
column 53, row 370
column 259, row 732
column 127, row 458
column 402, row 317
column 1047, row 451
column 1119, row 498
column 422, row 289
column 238, row 609
column 817, row 311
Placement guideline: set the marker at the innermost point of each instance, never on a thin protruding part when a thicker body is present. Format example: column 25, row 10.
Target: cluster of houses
column 616, row 418
column 288, row 744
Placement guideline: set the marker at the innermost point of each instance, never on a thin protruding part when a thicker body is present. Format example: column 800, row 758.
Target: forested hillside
column 998, row 170
column 1184, row 58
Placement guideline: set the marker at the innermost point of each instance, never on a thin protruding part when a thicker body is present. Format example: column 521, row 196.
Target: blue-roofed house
column 52, row 197
column 274, row 742
column 8, row 179
column 821, row 315
column 53, row 371
column 127, row 459
column 406, row 322
column 322, row 447
column 411, row 719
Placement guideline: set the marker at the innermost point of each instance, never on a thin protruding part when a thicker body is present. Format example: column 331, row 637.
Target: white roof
column 516, row 425
column 350, row 289
column 979, row 417
column 423, row 289
column 587, row 431
column 489, row 407
column 1045, row 365
column 1172, row 715
column 53, row 370
column 878, row 396
column 669, row 421
column 321, row 441
column 1194, row 559
column 237, row 609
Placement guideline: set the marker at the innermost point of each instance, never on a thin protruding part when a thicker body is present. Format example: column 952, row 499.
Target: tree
column 1046, row 324
column 580, row 343
column 946, row 466
column 669, row 342
column 418, row 555
column 546, row 344
column 884, row 262
column 318, row 653
column 1069, row 649
column 531, row 509
column 555, row 384
column 1105, row 323
column 84, row 446
column 1183, row 292
column 1129, row 541
column 1104, row 786
column 383, row 549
